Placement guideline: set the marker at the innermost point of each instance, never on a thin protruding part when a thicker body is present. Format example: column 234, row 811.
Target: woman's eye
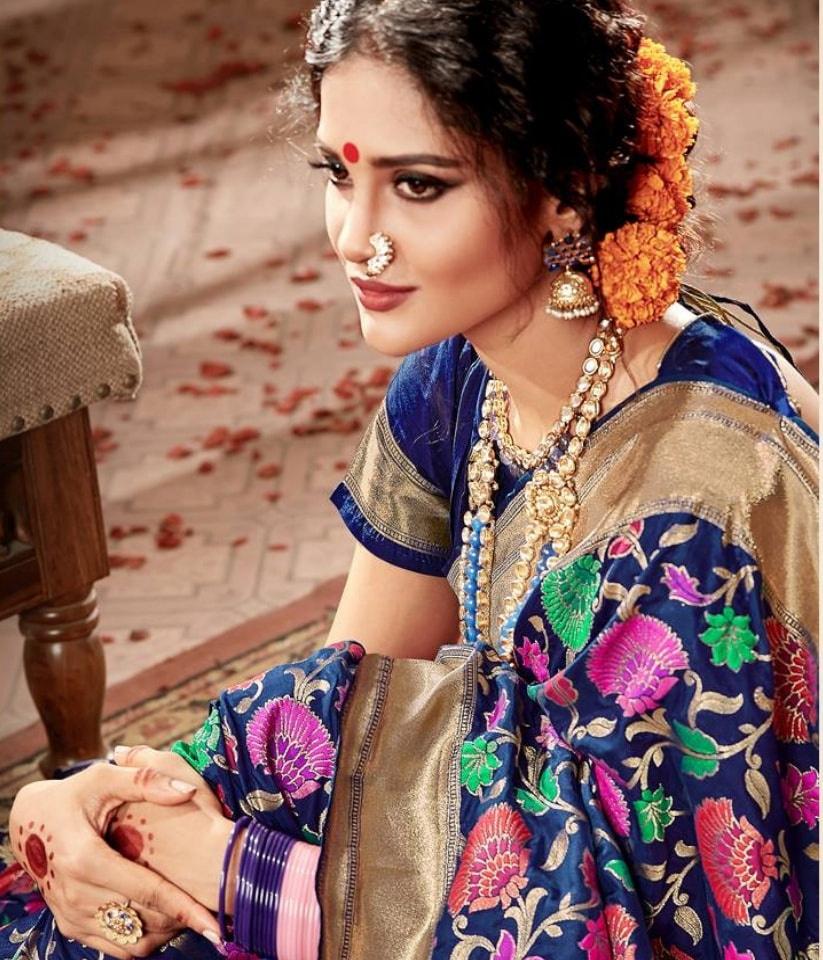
column 421, row 188
column 337, row 172
column 418, row 188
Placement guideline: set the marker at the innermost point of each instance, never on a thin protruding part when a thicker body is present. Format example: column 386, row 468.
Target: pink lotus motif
column 801, row 795
column 636, row 659
column 612, row 798
column 494, row 862
column 739, row 863
column 607, row 937
column 534, row 659
column 291, row 743
column 795, row 683
column 623, row 544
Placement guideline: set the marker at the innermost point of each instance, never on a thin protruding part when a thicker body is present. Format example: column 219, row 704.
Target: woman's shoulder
column 709, row 348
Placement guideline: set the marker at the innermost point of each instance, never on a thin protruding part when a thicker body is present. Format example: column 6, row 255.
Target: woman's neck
column 539, row 358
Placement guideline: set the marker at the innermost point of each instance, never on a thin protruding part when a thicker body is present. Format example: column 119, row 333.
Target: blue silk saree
column 642, row 782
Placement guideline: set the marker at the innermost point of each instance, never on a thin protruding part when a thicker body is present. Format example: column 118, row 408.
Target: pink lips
column 380, row 296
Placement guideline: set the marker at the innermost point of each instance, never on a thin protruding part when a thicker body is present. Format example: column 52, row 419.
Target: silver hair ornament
column 325, row 17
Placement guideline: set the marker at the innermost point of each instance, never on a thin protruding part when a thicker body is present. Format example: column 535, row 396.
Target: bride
column 581, row 469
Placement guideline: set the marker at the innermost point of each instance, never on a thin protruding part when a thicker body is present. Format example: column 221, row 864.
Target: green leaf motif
column 697, row 742
column 621, row 870
column 567, row 596
column 653, row 814
column 731, row 639
column 478, row 763
column 549, row 787
column 529, row 802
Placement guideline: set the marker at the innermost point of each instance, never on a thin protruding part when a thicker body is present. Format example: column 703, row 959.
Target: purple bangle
column 282, row 847
column 224, row 875
column 256, row 840
column 242, row 907
column 263, row 890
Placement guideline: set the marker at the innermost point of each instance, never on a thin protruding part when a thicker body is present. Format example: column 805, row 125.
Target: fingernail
column 214, row 938
column 181, row 786
column 120, row 752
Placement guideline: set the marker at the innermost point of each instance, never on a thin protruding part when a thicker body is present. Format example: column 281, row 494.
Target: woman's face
column 448, row 242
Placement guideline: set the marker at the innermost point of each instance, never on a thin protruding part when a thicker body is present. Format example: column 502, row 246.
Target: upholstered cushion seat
column 66, row 335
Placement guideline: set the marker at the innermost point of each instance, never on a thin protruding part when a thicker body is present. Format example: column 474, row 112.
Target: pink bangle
column 298, row 906
column 314, row 919
column 311, row 937
column 287, row 920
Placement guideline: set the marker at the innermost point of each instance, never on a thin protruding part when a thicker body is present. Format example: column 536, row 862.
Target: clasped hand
column 162, row 818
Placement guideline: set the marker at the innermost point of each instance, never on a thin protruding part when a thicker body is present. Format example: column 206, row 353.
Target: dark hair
column 551, row 86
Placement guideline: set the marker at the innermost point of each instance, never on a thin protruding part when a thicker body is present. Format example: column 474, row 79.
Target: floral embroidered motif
column 800, row 792
column 567, row 595
column 624, row 544
column 608, row 935
column 611, row 796
column 740, row 864
column 683, row 587
column 795, row 682
column 286, row 738
column 653, row 814
column 203, row 743
column 636, row 660
column 533, row 658
column 730, row 638
column 493, row 867
column 506, row 948
column 478, row 763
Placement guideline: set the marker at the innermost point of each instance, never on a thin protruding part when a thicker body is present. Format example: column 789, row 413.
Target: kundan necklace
column 551, row 495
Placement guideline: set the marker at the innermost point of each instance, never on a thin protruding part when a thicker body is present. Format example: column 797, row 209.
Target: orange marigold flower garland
column 639, row 265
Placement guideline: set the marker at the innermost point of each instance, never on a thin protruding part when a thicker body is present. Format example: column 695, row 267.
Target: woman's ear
column 558, row 219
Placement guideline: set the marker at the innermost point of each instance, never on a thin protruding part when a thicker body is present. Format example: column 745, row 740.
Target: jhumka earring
column 383, row 254
column 571, row 294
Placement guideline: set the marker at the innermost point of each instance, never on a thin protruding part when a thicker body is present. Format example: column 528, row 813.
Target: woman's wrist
column 217, row 841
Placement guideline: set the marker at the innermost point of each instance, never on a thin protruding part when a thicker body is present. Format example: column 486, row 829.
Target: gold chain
column 551, row 496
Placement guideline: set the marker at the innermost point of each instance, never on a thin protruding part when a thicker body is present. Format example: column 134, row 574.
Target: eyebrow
column 402, row 160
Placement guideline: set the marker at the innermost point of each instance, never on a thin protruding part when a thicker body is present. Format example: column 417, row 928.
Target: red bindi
column 351, row 153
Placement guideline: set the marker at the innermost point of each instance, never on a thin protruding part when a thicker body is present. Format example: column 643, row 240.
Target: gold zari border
column 391, row 494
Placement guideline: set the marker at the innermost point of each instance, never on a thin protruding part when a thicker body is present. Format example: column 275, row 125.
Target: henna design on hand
column 34, row 855
column 129, row 840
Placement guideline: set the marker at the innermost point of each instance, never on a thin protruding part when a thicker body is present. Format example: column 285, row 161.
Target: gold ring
column 120, row 922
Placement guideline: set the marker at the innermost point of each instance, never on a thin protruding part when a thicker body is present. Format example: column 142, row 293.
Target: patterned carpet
column 179, row 709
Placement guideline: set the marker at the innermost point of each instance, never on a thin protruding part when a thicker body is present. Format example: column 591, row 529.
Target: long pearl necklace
column 551, row 495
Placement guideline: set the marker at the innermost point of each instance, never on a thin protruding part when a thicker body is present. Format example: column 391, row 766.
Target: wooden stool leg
column 66, row 672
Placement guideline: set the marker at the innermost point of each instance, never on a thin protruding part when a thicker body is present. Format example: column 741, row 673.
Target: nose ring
column 383, row 254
